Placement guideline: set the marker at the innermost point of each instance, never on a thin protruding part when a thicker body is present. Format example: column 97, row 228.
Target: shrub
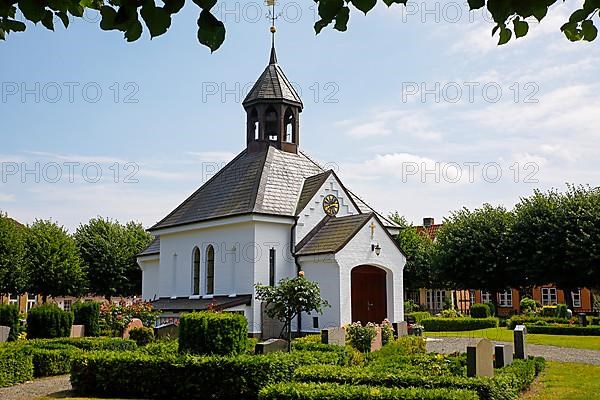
column 527, row 305
column 564, row 330
column 88, row 314
column 595, row 320
column 48, row 362
column 492, row 308
column 115, row 317
column 361, row 337
column 480, row 311
column 142, row 336
column 387, row 332
column 450, row 313
column 403, row 346
column 410, row 306
column 561, row 311
column 213, row 333
column 139, row 375
column 419, row 316
column 549, row 311
column 458, row 324
column 48, row 321
column 309, row 339
column 95, row 344
column 16, row 365
column 332, row 391
column 161, row 348
column 526, row 319
column 9, row 316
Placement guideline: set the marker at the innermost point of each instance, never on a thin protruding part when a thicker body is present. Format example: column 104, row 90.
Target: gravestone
column 271, row 346
column 582, row 319
column 480, row 361
column 504, row 355
column 520, row 341
column 77, row 331
column 166, row 331
column 569, row 313
column 400, row 328
column 4, row 332
column 377, row 343
column 333, row 336
column 410, row 319
column 135, row 323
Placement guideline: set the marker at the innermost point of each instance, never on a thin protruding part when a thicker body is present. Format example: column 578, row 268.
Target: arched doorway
column 369, row 294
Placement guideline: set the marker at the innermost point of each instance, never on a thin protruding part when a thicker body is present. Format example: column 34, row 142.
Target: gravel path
column 563, row 354
column 34, row 389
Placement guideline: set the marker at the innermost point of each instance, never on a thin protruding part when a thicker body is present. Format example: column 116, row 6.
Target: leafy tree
column 53, row 263
column 109, row 250
column 471, row 250
column 130, row 17
column 13, row 275
column 290, row 298
column 418, row 247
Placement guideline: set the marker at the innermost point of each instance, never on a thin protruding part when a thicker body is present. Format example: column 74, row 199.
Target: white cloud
column 7, row 197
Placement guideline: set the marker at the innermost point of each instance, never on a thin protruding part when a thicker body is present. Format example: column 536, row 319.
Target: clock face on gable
column 331, row 205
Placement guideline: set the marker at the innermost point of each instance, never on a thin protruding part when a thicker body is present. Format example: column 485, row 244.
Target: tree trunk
column 568, row 298
column 289, row 335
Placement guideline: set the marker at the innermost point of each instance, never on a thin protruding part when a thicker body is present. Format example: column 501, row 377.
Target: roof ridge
column 259, row 191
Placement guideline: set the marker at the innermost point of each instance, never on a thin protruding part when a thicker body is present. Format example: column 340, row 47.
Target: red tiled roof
column 430, row 230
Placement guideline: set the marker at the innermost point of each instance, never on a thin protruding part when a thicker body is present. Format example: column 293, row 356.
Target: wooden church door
column 369, row 294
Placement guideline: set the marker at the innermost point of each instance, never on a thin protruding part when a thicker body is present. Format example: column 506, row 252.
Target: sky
column 417, row 109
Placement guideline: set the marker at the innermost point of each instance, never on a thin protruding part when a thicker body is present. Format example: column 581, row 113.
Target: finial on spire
column 272, row 16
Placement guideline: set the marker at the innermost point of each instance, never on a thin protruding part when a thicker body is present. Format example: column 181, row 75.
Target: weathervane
column 273, row 16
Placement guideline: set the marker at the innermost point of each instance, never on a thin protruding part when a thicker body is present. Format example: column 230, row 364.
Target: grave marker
column 480, row 361
column 520, row 341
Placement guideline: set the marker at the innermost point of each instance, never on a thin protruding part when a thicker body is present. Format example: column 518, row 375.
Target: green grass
column 566, row 381
column 505, row 335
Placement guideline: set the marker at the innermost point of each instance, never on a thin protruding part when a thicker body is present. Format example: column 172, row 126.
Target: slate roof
column 332, row 234
column 187, row 304
column 311, row 185
column 272, row 85
column 152, row 249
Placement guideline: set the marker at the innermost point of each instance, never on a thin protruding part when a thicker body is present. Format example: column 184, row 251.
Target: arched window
column 289, row 125
column 271, row 130
column 210, row 270
column 196, row 272
column 254, row 123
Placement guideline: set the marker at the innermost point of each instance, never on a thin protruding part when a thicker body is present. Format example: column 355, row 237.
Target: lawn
column 505, row 335
column 566, row 381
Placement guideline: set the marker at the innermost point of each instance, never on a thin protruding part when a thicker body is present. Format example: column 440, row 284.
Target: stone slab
column 166, row 331
column 77, row 331
column 480, row 360
column 4, row 333
column 400, row 328
column 520, row 341
column 503, row 355
column 135, row 323
column 271, row 346
column 377, row 342
column 335, row 336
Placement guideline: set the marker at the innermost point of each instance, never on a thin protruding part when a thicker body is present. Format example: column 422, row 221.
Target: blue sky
column 405, row 105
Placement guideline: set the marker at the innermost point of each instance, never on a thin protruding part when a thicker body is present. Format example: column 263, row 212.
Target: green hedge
column 88, row 314
column 9, row 316
column 332, row 391
column 458, row 324
column 47, row 362
column 595, row 320
column 506, row 385
column 142, row 335
column 138, row 375
column 87, row 344
column 564, row 330
column 213, row 333
column 479, row 310
column 419, row 316
column 48, row 321
column 16, row 366
column 530, row 320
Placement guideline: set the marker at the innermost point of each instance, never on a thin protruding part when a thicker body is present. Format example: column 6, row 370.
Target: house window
column 210, row 270
column 67, row 305
column 435, row 300
column 548, row 296
column 13, row 299
column 315, row 322
column 31, row 301
column 486, row 297
column 471, row 297
column 272, row 267
column 271, row 129
column 196, row 272
column 576, row 296
column 505, row 299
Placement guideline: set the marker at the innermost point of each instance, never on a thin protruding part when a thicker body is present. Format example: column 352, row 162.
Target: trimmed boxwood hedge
column 564, row 330
column 332, row 391
column 48, row 321
column 528, row 320
column 16, row 365
column 595, row 320
column 138, row 375
column 142, row 335
column 9, row 316
column 419, row 316
column 479, row 310
column 88, row 314
column 47, row 362
column 458, row 324
column 213, row 333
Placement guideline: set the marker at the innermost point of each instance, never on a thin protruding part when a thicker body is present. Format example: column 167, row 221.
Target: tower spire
column 273, row 17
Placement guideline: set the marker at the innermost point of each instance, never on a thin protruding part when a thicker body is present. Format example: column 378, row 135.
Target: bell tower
column 273, row 107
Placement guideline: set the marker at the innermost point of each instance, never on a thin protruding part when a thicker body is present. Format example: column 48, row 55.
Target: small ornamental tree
column 290, row 298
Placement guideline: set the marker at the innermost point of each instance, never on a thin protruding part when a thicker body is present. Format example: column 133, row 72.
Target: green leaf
column 521, row 28
column 211, row 31
column 134, row 31
column 390, row 2
column 578, row 16
column 320, row 24
column 341, row 19
column 476, row 4
column 328, row 9
column 590, row 32
column 64, row 18
column 108, row 14
column 15, row 26
column 48, row 20
column 495, row 28
column 539, row 11
column 76, row 10
column 571, row 31
column 2, row 34
column 33, row 10
column 364, row 5
column 205, row 5
column 173, row 6
column 156, row 18
column 505, row 35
